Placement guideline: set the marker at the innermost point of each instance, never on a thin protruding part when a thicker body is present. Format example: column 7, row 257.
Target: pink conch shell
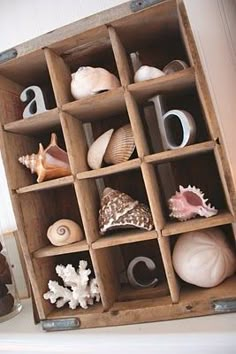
column 49, row 163
column 121, row 145
column 88, row 81
column 188, row 203
column 119, row 210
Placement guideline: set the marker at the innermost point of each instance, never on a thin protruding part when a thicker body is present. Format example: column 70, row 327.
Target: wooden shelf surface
column 177, row 227
column 36, row 124
column 109, row 170
column 99, row 106
column 55, row 183
column 124, row 237
column 166, row 156
column 178, row 81
column 57, row 250
column 128, row 294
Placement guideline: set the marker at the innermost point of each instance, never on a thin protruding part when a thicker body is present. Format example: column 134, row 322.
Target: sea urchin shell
column 188, row 203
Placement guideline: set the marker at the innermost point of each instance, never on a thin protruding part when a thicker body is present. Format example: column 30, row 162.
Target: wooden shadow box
column 159, row 33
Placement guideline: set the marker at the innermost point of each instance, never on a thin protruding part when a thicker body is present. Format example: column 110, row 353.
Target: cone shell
column 64, row 232
column 121, row 145
column 49, row 163
column 119, row 210
column 98, row 148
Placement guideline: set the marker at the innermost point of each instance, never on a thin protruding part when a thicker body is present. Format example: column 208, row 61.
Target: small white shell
column 97, row 149
column 121, row 145
column 88, row 81
column 64, row 232
column 146, row 72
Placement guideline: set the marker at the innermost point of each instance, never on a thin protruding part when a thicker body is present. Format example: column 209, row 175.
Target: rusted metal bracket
column 63, row 324
column 224, row 305
column 138, row 5
column 8, row 55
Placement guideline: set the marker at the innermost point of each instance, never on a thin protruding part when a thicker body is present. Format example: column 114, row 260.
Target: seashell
column 88, row 81
column 97, row 149
column 188, row 203
column 175, row 65
column 119, row 210
column 49, row 163
column 121, row 145
column 64, row 232
column 146, row 72
column 203, row 257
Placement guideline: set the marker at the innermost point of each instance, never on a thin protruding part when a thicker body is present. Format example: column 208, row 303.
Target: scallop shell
column 64, row 232
column 175, row 65
column 119, row 210
column 49, row 163
column 88, row 81
column 121, row 145
column 188, row 203
column 146, row 72
column 97, row 149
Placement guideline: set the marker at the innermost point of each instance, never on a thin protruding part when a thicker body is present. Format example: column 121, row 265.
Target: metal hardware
column 225, row 305
column 138, row 5
column 62, row 324
column 8, row 55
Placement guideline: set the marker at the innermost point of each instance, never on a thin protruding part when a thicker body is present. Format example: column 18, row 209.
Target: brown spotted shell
column 119, row 210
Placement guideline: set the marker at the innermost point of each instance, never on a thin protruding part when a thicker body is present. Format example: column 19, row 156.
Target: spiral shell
column 121, row 145
column 64, row 232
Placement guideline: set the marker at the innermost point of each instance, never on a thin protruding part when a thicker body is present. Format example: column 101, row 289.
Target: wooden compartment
column 159, row 33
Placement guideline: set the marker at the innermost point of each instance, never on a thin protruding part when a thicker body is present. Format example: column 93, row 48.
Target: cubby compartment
column 41, row 209
column 202, row 171
column 157, row 42
column 27, row 147
column 212, row 264
column 157, row 128
column 46, row 268
column 140, row 270
column 19, row 76
column 84, row 51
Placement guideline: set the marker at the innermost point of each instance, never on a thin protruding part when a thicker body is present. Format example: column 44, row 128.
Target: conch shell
column 88, row 81
column 119, row 210
column 188, row 203
column 146, row 72
column 112, row 146
column 64, row 232
column 49, row 163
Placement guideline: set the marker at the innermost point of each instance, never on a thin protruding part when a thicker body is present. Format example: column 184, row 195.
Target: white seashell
column 88, row 81
column 175, row 65
column 146, row 72
column 64, row 232
column 97, row 149
column 121, row 145
column 203, row 257
column 119, row 210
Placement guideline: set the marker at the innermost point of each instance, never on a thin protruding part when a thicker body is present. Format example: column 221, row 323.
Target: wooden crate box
column 160, row 34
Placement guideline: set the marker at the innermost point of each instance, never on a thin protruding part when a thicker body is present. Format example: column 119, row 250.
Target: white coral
column 82, row 291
